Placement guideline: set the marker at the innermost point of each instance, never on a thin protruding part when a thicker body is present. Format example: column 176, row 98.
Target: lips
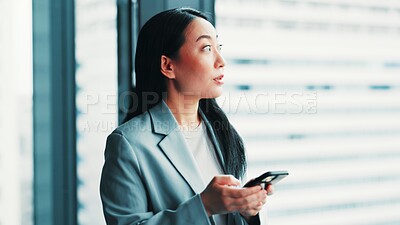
column 218, row 79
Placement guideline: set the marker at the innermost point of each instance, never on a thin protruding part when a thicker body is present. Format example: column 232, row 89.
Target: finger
column 240, row 192
column 251, row 212
column 250, row 201
column 255, row 208
column 264, row 201
column 226, row 180
column 258, row 200
column 270, row 189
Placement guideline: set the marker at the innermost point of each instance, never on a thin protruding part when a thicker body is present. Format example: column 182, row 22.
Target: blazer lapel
column 176, row 149
column 174, row 146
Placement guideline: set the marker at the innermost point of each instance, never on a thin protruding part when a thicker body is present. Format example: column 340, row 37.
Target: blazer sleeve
column 124, row 196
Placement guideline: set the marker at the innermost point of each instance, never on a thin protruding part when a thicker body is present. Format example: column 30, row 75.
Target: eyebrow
column 205, row 36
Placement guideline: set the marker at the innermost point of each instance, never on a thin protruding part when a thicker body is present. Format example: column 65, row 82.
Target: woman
column 178, row 140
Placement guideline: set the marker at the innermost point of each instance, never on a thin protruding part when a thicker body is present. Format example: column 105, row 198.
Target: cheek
column 195, row 73
column 205, row 69
column 199, row 71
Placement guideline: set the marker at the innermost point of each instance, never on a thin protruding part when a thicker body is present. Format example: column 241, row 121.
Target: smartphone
column 270, row 177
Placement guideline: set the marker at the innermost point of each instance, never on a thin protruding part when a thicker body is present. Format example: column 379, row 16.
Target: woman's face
column 199, row 67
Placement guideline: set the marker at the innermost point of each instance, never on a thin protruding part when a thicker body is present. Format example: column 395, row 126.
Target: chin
column 214, row 94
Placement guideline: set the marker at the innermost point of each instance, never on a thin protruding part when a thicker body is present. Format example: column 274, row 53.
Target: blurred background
column 312, row 86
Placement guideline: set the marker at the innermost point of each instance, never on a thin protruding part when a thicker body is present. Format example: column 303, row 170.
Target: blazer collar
column 163, row 121
column 175, row 147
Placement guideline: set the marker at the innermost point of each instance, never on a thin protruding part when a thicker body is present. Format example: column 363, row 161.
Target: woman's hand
column 222, row 196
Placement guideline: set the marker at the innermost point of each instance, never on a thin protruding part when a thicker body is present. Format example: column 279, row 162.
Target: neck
column 185, row 109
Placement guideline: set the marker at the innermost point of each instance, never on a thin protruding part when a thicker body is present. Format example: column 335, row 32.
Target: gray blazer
column 149, row 175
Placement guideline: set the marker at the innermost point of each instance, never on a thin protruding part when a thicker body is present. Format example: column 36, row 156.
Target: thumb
column 226, row 180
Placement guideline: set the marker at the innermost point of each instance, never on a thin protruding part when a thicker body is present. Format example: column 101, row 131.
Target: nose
column 219, row 61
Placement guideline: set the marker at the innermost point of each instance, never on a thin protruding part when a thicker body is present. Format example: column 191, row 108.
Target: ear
column 167, row 67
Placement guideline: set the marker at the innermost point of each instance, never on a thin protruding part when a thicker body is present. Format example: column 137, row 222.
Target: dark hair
column 163, row 34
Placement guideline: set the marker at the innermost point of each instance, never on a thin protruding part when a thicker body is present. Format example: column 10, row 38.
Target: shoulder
column 136, row 129
column 146, row 130
column 140, row 123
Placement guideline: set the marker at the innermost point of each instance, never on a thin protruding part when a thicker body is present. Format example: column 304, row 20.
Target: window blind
column 314, row 88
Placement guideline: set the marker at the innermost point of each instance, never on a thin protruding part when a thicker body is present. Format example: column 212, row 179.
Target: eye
column 207, row 48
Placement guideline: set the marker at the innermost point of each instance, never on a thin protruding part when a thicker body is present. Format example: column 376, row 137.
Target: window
column 16, row 162
column 313, row 88
column 96, row 98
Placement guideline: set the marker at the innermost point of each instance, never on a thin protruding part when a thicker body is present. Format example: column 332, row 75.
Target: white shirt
column 204, row 153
